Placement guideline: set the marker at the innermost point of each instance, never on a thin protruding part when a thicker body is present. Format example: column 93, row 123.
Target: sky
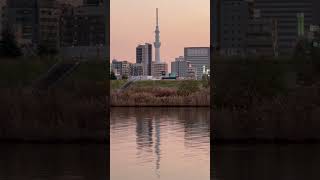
column 182, row 23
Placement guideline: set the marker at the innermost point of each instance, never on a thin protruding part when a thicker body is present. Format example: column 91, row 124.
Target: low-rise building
column 180, row 66
column 126, row 68
column 49, row 24
column 198, row 57
column 191, row 73
column 159, row 69
column 136, row 69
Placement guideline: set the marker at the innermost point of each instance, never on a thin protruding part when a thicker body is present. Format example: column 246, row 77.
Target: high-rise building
column 198, row 58
column 285, row 13
column 83, row 31
column 262, row 37
column 34, row 22
column 90, row 25
column 144, row 56
column 316, row 12
column 230, row 21
column 180, row 66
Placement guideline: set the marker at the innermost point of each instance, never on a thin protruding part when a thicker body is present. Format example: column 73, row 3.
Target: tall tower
column 157, row 42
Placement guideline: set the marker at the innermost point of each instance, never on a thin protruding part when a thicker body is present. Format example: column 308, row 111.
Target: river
column 160, row 143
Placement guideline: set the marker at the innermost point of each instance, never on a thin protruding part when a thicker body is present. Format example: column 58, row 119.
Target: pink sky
column 182, row 23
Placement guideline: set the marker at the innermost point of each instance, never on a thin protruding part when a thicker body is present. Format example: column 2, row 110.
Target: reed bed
column 146, row 96
column 53, row 115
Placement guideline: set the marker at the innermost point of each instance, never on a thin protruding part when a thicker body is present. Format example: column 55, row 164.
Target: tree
column 205, row 81
column 124, row 77
column 113, row 76
column 8, row 45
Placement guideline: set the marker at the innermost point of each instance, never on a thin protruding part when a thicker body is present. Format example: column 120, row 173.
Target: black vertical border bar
column 107, row 42
column 211, row 91
column 212, row 10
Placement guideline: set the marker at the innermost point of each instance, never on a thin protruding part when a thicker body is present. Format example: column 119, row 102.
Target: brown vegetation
column 152, row 96
column 270, row 101
column 55, row 115
column 72, row 110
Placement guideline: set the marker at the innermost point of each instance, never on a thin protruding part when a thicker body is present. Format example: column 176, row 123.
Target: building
column 285, row 13
column 314, row 35
column 20, row 17
column 262, row 37
column 180, row 67
column 67, row 26
column 198, row 57
column 2, row 9
column 159, row 69
column 191, row 73
column 116, row 66
column 126, row 68
column 122, row 67
column 230, row 21
column 316, row 12
column 49, row 24
column 136, row 69
column 83, row 31
column 35, row 23
column 144, row 56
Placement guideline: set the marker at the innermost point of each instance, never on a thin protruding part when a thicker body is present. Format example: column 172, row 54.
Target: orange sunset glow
column 182, row 23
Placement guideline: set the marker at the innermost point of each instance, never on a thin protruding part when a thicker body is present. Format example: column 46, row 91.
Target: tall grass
column 149, row 96
column 74, row 109
column 270, row 100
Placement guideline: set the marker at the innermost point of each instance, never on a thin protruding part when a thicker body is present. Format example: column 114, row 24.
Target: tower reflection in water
column 144, row 133
column 168, row 143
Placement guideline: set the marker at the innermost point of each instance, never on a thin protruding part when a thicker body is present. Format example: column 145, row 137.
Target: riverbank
column 269, row 101
column 187, row 93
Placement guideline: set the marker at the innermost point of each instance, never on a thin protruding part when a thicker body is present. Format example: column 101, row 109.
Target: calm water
column 160, row 143
column 53, row 162
column 266, row 162
column 153, row 143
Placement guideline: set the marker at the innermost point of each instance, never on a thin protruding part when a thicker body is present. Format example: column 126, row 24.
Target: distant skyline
column 183, row 23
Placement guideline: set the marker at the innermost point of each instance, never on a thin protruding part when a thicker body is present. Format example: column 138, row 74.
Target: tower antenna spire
column 157, row 18
column 157, row 42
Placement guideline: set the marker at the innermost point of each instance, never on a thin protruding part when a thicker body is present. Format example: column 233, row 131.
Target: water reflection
column 154, row 143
